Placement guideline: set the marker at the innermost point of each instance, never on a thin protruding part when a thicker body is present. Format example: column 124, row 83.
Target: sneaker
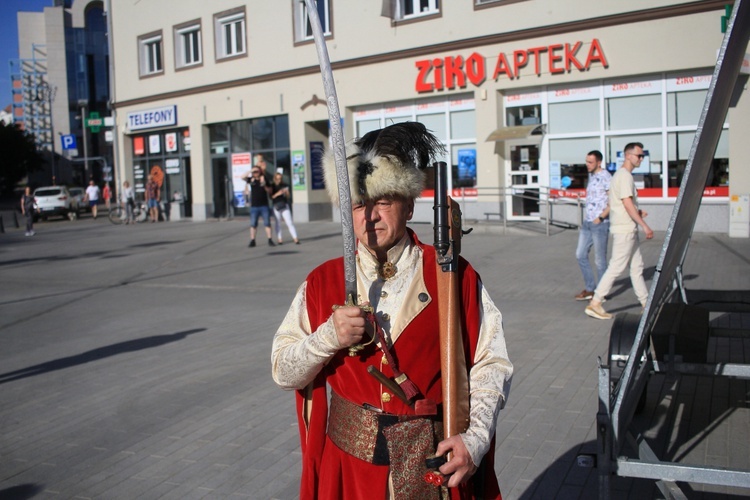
column 597, row 311
column 271, row 243
column 252, row 243
column 28, row 233
column 585, row 295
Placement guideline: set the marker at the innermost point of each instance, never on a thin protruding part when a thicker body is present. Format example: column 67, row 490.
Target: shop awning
column 520, row 132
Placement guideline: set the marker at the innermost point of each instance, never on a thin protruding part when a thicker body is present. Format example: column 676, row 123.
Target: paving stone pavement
column 135, row 360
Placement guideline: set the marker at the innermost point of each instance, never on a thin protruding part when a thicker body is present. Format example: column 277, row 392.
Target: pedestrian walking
column 27, row 209
column 594, row 230
column 626, row 217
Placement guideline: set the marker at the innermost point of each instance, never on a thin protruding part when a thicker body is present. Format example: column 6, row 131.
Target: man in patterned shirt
column 372, row 444
column 595, row 228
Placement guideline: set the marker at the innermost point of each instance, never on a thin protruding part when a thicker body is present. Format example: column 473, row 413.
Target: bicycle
column 118, row 214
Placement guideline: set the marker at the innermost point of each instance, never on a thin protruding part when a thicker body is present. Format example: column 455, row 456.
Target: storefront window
column 219, row 137
column 574, row 117
column 268, row 136
column 523, row 115
column 365, row 126
column 435, row 123
column 571, row 155
column 648, row 174
column 684, row 108
column 633, row 112
column 240, row 134
column 463, row 124
column 263, row 133
column 679, row 145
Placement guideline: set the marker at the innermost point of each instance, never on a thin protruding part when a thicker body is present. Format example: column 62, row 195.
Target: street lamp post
column 46, row 93
column 83, row 104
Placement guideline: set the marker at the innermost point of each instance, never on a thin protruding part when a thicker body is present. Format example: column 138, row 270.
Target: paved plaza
column 135, row 360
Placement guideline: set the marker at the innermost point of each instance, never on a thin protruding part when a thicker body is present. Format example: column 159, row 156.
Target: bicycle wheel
column 117, row 215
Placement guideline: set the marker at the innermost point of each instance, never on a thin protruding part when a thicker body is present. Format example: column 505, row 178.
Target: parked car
column 79, row 194
column 55, row 201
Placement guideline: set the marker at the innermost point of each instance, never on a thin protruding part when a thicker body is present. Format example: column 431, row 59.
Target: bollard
column 2, row 225
column 15, row 218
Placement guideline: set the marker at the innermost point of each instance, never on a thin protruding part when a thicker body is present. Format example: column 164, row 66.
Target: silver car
column 55, row 201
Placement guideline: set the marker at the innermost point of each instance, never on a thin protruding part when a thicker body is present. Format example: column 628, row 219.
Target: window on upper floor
column 150, row 53
column 405, row 10
column 187, row 44
column 478, row 4
column 302, row 27
column 229, row 28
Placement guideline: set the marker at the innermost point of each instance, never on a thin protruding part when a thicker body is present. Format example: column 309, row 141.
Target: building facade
column 518, row 90
column 59, row 80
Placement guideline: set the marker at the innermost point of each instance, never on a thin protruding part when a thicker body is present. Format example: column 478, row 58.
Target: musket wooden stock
column 452, row 359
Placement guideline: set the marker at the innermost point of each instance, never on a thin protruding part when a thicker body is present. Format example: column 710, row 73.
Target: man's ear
column 410, row 209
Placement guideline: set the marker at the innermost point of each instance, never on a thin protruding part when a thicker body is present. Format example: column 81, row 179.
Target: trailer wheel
column 621, row 339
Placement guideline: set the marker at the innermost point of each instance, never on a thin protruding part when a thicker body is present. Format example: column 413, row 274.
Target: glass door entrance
column 523, row 179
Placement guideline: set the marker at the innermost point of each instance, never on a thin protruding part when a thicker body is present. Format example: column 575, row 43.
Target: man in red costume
column 364, row 441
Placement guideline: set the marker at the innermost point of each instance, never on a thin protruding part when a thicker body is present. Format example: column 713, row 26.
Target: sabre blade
column 339, row 154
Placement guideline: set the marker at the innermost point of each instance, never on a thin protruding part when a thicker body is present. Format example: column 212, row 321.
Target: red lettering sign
column 453, row 71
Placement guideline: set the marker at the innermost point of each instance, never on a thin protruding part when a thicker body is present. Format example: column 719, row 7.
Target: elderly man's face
column 380, row 224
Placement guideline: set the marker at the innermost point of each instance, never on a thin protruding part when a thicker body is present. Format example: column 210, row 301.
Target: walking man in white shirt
column 626, row 217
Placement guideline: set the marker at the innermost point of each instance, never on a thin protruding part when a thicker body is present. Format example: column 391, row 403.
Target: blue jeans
column 592, row 235
column 256, row 212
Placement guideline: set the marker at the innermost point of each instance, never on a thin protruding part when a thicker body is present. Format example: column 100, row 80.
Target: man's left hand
column 460, row 467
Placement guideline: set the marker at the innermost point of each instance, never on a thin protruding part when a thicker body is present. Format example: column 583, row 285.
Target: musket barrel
column 442, row 226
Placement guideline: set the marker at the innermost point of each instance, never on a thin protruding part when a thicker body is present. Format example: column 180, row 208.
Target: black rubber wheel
column 621, row 340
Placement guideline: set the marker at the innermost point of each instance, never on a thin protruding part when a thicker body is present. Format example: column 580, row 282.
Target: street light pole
column 83, row 104
column 46, row 93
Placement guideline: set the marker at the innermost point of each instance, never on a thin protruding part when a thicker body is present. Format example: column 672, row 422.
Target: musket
column 339, row 154
column 455, row 377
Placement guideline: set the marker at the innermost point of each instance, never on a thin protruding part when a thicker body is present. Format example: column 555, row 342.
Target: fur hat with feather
column 385, row 162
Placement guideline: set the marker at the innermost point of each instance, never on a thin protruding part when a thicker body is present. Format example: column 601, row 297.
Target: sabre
column 339, row 154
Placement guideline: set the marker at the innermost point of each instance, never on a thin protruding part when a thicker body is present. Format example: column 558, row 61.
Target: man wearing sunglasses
column 625, row 217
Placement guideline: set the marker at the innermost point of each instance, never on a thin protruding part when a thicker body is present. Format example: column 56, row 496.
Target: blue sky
column 9, row 38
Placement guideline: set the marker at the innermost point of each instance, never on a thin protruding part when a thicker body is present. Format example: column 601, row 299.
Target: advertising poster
column 316, row 165
column 467, row 167
column 240, row 168
column 154, row 144
column 298, row 170
column 170, row 142
column 555, row 173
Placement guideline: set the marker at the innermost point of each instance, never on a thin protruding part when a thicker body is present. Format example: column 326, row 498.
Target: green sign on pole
column 94, row 122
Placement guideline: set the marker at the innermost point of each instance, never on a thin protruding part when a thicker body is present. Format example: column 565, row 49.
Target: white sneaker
column 28, row 233
column 597, row 312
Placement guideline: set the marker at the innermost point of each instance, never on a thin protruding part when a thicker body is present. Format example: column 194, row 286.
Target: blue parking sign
column 68, row 141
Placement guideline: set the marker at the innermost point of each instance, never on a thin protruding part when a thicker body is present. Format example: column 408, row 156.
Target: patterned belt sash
column 401, row 441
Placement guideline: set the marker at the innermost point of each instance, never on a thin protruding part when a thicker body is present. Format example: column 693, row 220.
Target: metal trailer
column 623, row 379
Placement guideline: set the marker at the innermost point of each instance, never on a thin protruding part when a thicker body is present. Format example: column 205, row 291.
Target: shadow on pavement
column 20, row 492
column 97, row 354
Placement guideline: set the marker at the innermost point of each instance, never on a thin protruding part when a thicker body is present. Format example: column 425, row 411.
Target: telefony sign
column 153, row 118
column 452, row 72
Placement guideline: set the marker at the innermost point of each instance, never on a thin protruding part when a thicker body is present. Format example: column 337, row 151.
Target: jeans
column 256, row 212
column 592, row 235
